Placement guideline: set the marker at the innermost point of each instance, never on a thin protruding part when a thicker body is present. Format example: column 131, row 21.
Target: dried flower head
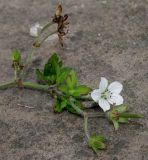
column 62, row 23
column 58, row 11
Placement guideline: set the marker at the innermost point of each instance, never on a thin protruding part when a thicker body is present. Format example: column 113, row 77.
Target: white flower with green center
column 107, row 94
column 34, row 30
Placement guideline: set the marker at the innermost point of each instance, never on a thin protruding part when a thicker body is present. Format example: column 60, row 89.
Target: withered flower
column 58, row 11
column 62, row 23
column 17, row 65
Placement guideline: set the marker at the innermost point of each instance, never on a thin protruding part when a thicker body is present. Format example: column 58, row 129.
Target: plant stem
column 94, row 115
column 50, row 34
column 85, row 98
column 35, row 86
column 33, row 49
column 86, row 126
column 30, row 55
column 45, row 27
column 7, row 85
column 77, row 109
column 15, row 74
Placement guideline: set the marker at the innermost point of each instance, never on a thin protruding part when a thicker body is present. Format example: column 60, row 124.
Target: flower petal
column 115, row 87
column 104, row 104
column 95, row 95
column 103, row 84
column 115, row 99
column 34, row 30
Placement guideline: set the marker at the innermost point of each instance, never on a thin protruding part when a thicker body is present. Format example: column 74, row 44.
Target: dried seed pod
column 58, row 11
column 36, row 44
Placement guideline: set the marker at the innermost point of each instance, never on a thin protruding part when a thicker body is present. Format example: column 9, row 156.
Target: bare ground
column 107, row 38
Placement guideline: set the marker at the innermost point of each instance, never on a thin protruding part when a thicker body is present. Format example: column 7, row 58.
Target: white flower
column 107, row 95
column 34, row 30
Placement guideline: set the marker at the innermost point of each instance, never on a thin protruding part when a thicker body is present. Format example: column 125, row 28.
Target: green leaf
column 123, row 120
column 70, row 109
column 81, row 90
column 78, row 104
column 72, row 79
column 98, row 137
column 39, row 75
column 116, row 124
column 130, row 115
column 109, row 115
column 16, row 55
column 96, row 142
column 60, row 105
column 121, row 108
column 64, row 89
column 63, row 74
column 53, row 65
column 48, row 80
column 51, row 69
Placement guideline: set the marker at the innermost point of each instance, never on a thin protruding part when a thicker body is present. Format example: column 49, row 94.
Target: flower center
column 105, row 95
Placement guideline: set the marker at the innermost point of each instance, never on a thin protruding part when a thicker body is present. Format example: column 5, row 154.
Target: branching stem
column 50, row 89
column 37, row 39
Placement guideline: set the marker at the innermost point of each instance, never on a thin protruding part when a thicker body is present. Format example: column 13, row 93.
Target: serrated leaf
column 72, row 79
column 16, row 55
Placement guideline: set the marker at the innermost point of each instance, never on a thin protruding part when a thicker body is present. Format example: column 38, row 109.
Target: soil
column 106, row 38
